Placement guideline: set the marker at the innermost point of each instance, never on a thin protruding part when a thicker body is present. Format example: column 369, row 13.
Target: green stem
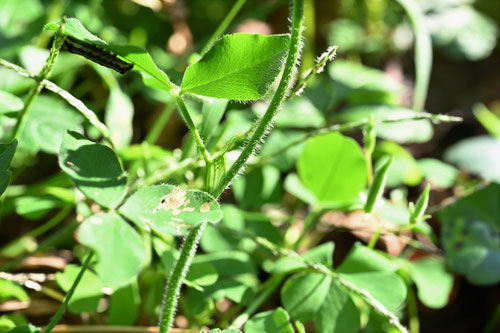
column 159, row 124
column 192, row 127
column 51, row 223
column 493, row 322
column 44, row 73
column 223, row 25
column 72, row 100
column 173, row 287
column 269, row 288
column 351, row 126
column 266, row 122
column 374, row 239
column 190, row 244
column 414, row 323
column 423, row 51
column 46, row 243
column 71, row 291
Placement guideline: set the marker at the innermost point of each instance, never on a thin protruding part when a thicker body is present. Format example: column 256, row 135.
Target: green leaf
column 9, row 102
column 202, row 274
column 218, row 330
column 142, row 61
column 471, row 235
column 433, row 282
column 239, row 66
column 279, row 140
column 88, row 292
column 488, row 119
column 362, row 259
column 375, row 272
column 213, row 111
column 477, row 155
column 9, row 290
column 25, row 329
column 333, row 167
column 5, row 176
column 119, row 116
column 338, row 313
column 303, row 294
column 7, row 151
column 258, row 187
column 463, row 32
column 47, row 123
column 124, row 305
column 364, row 84
column 119, row 248
column 437, row 172
column 274, row 321
column 386, row 287
column 308, row 296
column 297, row 112
column 170, row 209
column 404, row 168
column 294, row 186
column 404, row 132
column 215, row 239
column 321, row 254
column 94, row 168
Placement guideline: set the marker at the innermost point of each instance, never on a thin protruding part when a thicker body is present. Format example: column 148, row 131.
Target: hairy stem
column 173, row 287
column 190, row 244
column 71, row 291
column 44, row 73
column 266, row 122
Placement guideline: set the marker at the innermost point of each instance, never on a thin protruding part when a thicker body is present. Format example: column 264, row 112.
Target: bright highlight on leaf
column 239, row 67
column 333, row 167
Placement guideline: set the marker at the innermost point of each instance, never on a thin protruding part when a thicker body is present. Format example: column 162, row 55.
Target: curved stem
column 71, row 291
column 44, row 73
column 173, row 287
column 266, row 122
column 192, row 127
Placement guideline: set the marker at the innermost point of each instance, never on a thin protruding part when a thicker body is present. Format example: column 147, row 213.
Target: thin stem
column 44, row 244
column 223, row 25
column 72, row 100
column 71, row 291
column 374, row 239
column 266, row 122
column 493, row 322
column 192, row 127
column 173, row 287
column 320, row 268
column 270, row 287
column 351, row 126
column 160, row 123
column 414, row 323
column 44, row 73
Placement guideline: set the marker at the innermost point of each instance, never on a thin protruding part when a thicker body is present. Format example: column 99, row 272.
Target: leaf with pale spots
column 170, row 209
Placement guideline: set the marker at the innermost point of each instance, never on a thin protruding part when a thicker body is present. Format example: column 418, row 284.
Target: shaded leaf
column 471, row 235
column 120, row 250
column 274, row 321
column 94, row 168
